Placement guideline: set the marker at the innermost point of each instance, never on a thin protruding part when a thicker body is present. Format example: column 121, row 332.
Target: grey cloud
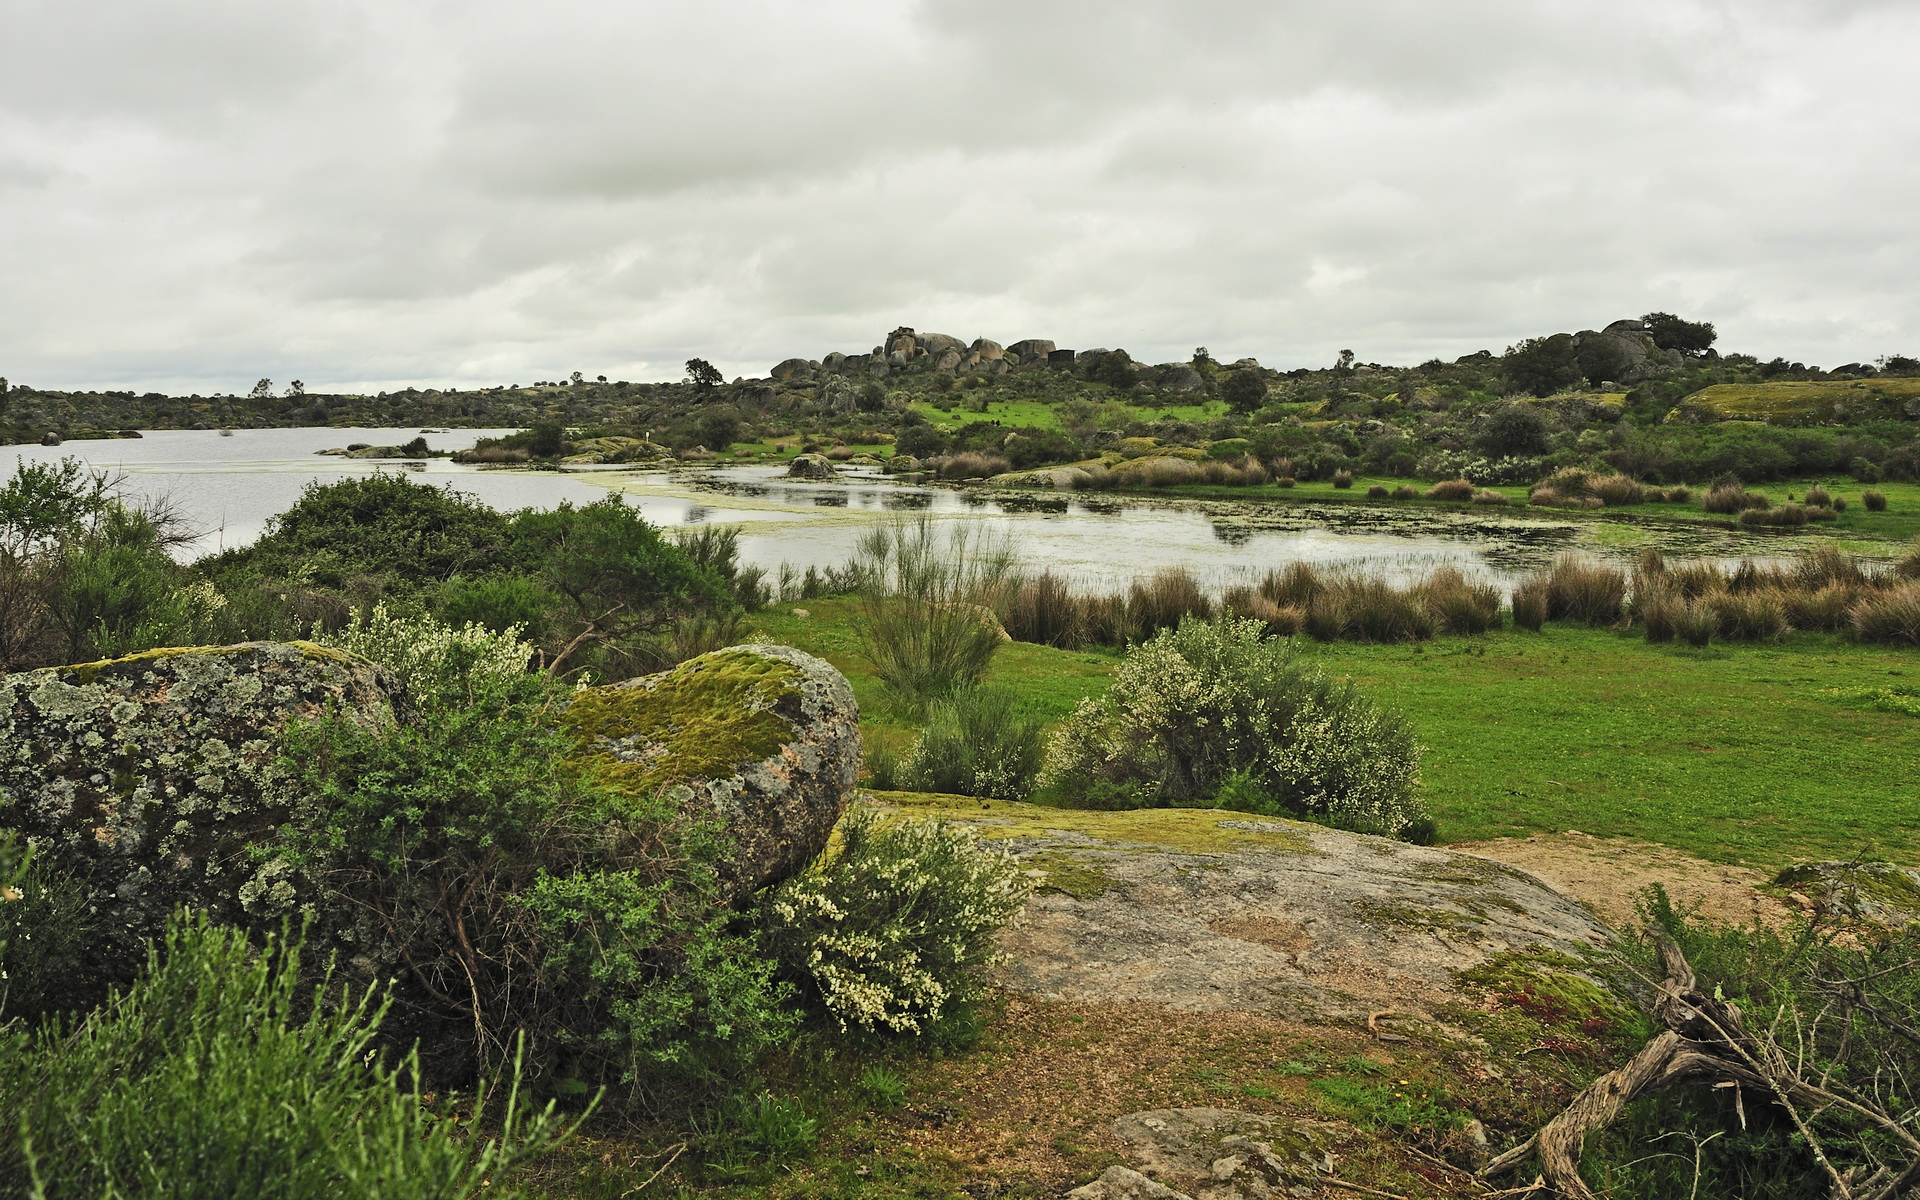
column 361, row 193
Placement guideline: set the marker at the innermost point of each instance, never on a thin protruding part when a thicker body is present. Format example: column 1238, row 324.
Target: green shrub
column 525, row 891
column 1194, row 707
column 896, row 926
column 218, row 1073
column 46, row 942
column 977, row 743
column 926, row 600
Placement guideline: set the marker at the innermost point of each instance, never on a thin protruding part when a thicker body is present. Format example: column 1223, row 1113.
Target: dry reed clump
column 1757, row 616
column 1161, row 601
column 1731, row 498
column 1875, row 501
column 840, row 453
column 1343, row 479
column 1158, row 471
column 1676, row 495
column 1826, row 565
column 1281, row 620
column 1891, row 616
column 1489, row 496
column 1285, row 481
column 1658, row 610
column 1576, row 487
column 1459, row 606
column 1818, row 497
column 1695, row 624
column 972, row 464
column 1295, row 584
column 1246, row 473
column 1529, row 603
column 1827, row 609
column 1451, row 489
column 1583, row 591
column 1909, row 566
column 1787, row 515
column 1378, row 491
column 1042, row 609
column 1406, row 491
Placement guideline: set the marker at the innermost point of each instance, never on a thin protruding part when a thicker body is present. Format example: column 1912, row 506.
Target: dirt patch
column 1607, row 873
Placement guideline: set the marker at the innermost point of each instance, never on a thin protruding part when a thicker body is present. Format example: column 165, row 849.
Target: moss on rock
column 707, row 717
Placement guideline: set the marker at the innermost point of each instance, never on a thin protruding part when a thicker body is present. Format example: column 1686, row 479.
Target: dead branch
column 1706, row 1042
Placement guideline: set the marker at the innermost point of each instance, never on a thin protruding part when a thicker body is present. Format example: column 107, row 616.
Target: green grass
column 1809, row 400
column 1042, row 414
column 1752, row 754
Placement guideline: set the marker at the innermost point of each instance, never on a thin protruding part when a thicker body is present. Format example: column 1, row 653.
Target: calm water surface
column 229, row 486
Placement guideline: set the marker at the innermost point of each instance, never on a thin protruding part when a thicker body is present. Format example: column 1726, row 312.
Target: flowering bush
column 435, row 661
column 890, row 931
column 1210, row 713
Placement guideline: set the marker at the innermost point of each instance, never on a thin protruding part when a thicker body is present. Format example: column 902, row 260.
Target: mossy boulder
column 766, row 738
column 812, row 466
column 152, row 777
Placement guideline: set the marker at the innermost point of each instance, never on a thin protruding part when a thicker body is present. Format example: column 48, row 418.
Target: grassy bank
column 1747, row 753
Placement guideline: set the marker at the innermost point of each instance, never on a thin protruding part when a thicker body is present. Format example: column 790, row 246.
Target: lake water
column 229, row 486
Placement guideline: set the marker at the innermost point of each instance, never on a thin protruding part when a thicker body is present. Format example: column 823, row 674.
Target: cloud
column 200, row 192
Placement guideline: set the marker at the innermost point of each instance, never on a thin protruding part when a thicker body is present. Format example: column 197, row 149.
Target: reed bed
column 1693, row 603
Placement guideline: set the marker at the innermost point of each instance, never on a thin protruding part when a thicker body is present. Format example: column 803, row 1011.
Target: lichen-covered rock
column 1878, row 892
column 152, row 776
column 811, row 466
column 1214, row 1154
column 767, row 738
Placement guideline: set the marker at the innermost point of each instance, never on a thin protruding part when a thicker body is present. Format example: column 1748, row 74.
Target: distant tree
column 1115, row 369
column 1692, row 338
column 1245, row 390
column 1513, row 428
column 296, row 389
column 872, row 397
column 262, row 390
column 1542, row 365
column 1201, row 359
column 601, row 378
column 1601, row 359
column 1890, row 364
column 919, row 441
column 1346, row 361
column 577, row 378
column 703, row 374
column 719, row 428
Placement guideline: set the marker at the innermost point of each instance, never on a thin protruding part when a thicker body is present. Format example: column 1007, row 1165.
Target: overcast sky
column 375, row 193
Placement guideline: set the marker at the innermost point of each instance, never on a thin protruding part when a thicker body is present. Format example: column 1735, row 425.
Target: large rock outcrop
column 153, row 776
column 1210, row 911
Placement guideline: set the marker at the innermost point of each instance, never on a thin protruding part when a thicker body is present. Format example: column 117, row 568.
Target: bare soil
column 1607, row 873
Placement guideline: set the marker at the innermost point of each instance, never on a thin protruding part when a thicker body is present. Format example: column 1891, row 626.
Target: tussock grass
column 1588, row 592
column 1530, row 603
column 1451, row 489
column 1731, row 498
column 1891, row 616
column 1874, row 501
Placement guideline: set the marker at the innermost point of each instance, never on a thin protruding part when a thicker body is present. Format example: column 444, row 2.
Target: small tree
column 1542, row 365
column 262, row 390
column 1244, row 390
column 1513, row 428
column 296, row 389
column 1691, row 338
column 703, row 374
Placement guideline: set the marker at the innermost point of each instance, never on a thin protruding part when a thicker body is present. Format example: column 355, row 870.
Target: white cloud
column 199, row 192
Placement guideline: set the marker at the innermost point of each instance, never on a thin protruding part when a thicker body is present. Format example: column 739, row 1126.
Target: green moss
column 1070, row 875
column 705, row 719
column 1188, row 830
column 79, row 673
column 1541, row 996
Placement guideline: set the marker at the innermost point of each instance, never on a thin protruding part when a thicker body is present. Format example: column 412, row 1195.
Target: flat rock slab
column 1214, row 1154
column 1208, row 911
